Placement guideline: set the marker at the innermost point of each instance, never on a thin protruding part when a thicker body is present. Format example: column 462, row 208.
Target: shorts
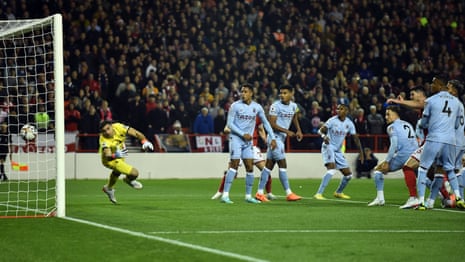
column 331, row 156
column 118, row 165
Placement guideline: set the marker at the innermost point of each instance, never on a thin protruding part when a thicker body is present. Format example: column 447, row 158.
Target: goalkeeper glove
column 121, row 153
column 146, row 145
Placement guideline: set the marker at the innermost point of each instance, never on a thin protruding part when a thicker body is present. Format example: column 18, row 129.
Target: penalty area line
column 169, row 241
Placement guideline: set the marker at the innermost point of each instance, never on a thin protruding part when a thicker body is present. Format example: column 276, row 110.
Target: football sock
column 379, row 180
column 2, row 168
column 325, row 181
column 461, row 179
column 264, row 176
column 421, row 184
column 229, row 179
column 344, row 181
column 453, row 181
column 284, row 180
column 435, row 186
column 268, row 184
column 113, row 178
column 248, row 184
column 410, row 180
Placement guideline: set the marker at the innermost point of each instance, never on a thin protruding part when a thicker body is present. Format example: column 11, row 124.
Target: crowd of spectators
column 151, row 64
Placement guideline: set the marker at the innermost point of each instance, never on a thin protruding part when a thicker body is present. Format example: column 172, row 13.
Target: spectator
column 177, row 128
column 105, row 111
column 219, row 122
column 375, row 121
column 180, row 114
column 72, row 118
column 203, row 123
column 89, row 129
column 365, row 168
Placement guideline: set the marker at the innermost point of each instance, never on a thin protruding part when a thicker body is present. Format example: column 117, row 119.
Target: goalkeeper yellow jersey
column 114, row 143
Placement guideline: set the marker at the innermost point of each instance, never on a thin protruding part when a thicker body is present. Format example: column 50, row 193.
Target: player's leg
column 235, row 147
column 379, row 172
column 249, row 177
column 290, row 196
column 341, row 164
column 410, row 178
column 219, row 192
column 431, row 151
column 108, row 188
column 264, row 176
column 131, row 174
column 329, row 161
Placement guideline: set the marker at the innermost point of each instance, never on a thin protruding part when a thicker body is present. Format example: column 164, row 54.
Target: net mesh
column 27, row 98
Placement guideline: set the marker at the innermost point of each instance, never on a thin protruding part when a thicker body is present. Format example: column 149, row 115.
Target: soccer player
column 281, row 114
column 402, row 144
column 113, row 151
column 454, row 87
column 258, row 160
column 241, row 121
column 441, row 116
column 5, row 143
column 417, row 102
column 333, row 133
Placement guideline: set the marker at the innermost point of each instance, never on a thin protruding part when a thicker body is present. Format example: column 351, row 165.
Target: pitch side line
column 307, row 231
column 169, row 241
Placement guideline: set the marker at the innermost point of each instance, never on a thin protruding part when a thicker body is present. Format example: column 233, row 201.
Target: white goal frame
column 9, row 29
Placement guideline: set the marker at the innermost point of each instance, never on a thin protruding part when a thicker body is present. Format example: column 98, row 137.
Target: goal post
column 32, row 92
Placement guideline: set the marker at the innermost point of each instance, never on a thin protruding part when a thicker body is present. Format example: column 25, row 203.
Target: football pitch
column 175, row 220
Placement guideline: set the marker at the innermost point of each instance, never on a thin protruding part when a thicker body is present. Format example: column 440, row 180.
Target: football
column 28, row 132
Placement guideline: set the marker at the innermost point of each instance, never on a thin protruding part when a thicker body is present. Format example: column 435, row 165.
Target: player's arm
column 272, row 119
column 392, row 148
column 296, row 122
column 233, row 128
column 359, row 145
column 323, row 132
column 141, row 137
column 408, row 103
column 268, row 128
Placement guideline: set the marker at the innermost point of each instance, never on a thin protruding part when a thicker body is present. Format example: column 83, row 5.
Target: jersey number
column 407, row 127
column 446, row 108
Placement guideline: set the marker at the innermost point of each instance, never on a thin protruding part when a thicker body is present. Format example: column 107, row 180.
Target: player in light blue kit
column 333, row 132
column 282, row 113
column 454, row 87
column 241, row 121
column 441, row 117
column 403, row 143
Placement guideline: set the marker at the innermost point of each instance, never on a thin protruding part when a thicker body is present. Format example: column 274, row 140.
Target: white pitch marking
column 169, row 241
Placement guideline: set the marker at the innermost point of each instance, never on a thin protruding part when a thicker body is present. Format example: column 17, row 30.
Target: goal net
column 31, row 93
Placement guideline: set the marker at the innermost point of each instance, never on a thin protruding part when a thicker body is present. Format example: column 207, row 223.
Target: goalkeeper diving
column 113, row 152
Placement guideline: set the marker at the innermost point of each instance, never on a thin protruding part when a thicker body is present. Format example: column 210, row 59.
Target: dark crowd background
column 151, row 64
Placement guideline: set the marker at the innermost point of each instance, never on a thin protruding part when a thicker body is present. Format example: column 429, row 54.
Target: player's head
column 285, row 93
column 106, row 128
column 455, row 87
column 342, row 110
column 246, row 92
column 437, row 84
column 392, row 113
column 417, row 93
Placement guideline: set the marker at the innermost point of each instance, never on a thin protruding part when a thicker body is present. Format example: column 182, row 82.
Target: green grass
column 144, row 222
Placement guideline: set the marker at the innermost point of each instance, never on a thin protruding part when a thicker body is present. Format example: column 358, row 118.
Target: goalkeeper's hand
column 147, row 145
column 121, row 153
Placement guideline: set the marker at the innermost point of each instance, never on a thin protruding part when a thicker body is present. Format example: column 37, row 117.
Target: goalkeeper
column 113, row 151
